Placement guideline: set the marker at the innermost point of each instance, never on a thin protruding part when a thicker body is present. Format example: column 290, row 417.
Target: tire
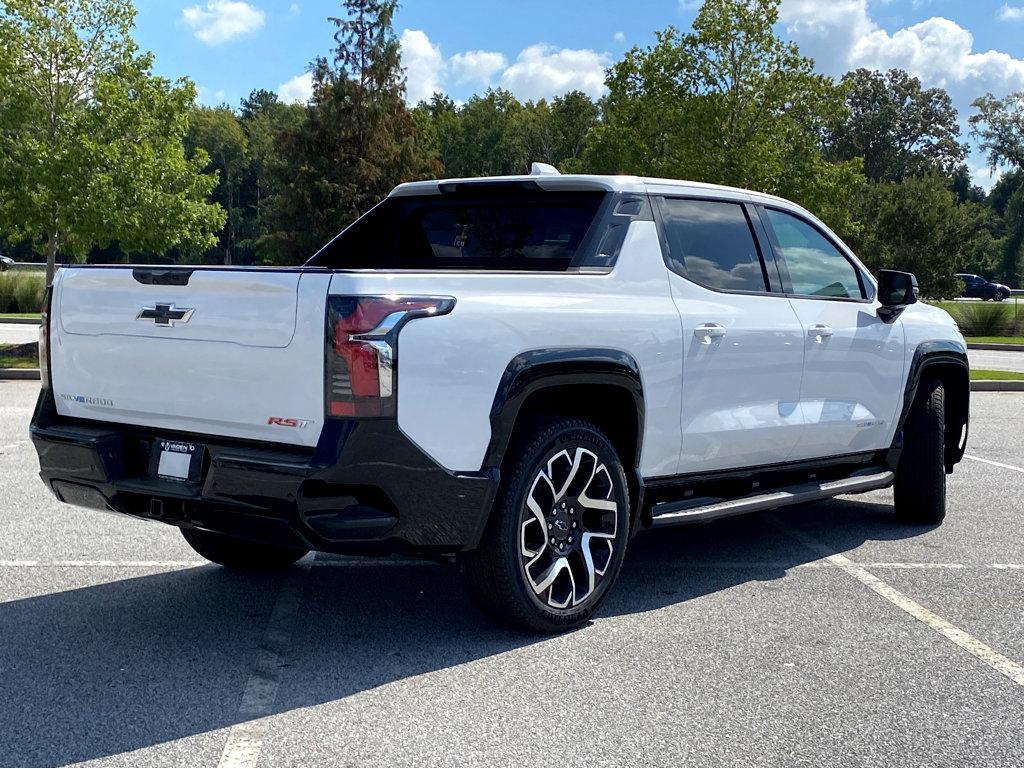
column 999, row 296
column 240, row 554
column 920, row 489
column 530, row 571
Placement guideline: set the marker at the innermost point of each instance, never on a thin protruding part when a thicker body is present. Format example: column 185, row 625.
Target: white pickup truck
column 517, row 373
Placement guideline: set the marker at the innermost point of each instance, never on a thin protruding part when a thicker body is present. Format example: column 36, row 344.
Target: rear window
column 527, row 230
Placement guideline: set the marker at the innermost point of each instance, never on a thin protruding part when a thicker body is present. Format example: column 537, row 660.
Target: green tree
column 573, row 117
column 358, row 138
column 728, row 103
column 486, row 138
column 999, row 128
column 90, row 140
column 263, row 117
column 1007, row 202
column 899, row 128
column 218, row 133
column 917, row 226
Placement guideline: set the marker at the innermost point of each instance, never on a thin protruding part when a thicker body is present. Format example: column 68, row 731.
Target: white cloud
column 619, row 37
column 539, row 71
column 298, row 90
column 543, row 71
column 222, row 20
column 294, row 9
column 984, row 177
column 840, row 35
column 423, row 63
column 1011, row 13
column 476, row 66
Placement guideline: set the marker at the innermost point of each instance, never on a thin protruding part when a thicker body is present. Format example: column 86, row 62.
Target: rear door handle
column 820, row 331
column 708, row 331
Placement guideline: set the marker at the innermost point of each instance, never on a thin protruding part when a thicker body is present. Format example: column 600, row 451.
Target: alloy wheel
column 567, row 528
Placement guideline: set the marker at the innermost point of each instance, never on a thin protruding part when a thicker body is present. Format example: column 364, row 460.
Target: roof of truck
column 555, row 181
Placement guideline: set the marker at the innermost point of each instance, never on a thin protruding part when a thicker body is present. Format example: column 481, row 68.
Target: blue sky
column 540, row 48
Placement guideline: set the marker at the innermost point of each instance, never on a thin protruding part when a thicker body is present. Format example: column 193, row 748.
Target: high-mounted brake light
column 362, row 333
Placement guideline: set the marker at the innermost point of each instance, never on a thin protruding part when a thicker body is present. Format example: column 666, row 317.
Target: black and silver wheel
column 999, row 295
column 558, row 531
column 239, row 553
column 920, row 488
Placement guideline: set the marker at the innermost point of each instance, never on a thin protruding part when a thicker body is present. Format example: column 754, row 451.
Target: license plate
column 176, row 460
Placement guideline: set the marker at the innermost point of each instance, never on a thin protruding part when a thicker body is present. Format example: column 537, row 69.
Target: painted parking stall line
column 380, row 562
column 986, row 654
column 245, row 739
column 994, row 463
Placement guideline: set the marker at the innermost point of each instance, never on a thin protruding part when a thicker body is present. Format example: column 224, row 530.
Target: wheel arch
column 600, row 385
column 946, row 361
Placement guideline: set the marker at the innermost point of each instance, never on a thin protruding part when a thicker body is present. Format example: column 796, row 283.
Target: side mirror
column 896, row 290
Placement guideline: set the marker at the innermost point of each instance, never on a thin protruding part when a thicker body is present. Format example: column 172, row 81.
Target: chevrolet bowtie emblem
column 165, row 314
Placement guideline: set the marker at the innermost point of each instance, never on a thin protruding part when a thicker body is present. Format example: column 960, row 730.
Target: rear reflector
column 362, row 334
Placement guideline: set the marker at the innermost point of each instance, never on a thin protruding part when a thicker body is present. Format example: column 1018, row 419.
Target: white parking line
column 245, row 740
column 374, row 562
column 101, row 564
column 995, row 464
column 986, row 654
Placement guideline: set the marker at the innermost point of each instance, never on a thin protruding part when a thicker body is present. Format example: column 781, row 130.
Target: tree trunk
column 51, row 259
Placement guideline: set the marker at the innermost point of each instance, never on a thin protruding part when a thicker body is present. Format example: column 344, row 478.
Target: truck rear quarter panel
column 449, row 367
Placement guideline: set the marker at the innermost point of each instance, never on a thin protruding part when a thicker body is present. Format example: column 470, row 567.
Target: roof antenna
column 543, row 169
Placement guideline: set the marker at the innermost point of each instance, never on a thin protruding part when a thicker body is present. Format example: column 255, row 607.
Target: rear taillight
column 44, row 340
column 362, row 333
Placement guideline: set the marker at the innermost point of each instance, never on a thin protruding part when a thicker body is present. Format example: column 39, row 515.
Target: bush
column 984, row 318
column 21, row 291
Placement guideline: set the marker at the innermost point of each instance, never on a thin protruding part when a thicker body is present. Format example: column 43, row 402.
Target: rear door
column 230, row 352
column 742, row 342
column 854, row 362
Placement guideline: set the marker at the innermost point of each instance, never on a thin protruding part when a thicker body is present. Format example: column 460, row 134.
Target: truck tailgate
column 236, row 353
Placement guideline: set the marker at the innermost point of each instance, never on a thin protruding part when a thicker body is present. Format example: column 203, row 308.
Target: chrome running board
column 708, row 509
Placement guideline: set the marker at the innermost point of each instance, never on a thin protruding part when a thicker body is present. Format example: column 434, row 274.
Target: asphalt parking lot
column 825, row 634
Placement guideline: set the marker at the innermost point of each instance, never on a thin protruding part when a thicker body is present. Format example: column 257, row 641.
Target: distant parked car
column 977, row 287
column 5, row 263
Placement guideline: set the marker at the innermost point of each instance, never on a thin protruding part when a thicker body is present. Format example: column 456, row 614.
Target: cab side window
column 710, row 242
column 816, row 267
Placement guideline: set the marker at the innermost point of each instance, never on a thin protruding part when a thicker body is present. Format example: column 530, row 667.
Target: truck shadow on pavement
column 102, row 669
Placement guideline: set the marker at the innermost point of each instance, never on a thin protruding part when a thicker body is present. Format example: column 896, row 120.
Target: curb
column 36, row 322
column 1003, row 347
column 998, row 386
column 19, row 373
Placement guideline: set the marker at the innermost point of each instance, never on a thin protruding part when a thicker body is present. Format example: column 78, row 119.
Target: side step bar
column 708, row 509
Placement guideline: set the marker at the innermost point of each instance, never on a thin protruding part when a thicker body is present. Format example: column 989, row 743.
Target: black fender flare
column 538, row 369
column 928, row 356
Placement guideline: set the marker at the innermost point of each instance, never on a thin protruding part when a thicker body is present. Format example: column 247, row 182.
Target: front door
column 742, row 341
column 853, row 361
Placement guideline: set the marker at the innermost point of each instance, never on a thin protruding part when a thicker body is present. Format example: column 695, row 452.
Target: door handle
column 708, row 331
column 820, row 331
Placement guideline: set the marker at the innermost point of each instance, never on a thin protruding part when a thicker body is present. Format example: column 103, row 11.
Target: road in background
column 733, row 642
column 18, row 333
column 997, row 360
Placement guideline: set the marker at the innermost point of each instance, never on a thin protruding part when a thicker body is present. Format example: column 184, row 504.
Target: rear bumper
column 365, row 488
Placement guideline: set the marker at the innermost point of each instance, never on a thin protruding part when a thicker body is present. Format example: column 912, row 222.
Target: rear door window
column 523, row 230
column 711, row 243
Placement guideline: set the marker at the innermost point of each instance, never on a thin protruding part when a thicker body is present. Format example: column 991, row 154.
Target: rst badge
column 288, row 422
